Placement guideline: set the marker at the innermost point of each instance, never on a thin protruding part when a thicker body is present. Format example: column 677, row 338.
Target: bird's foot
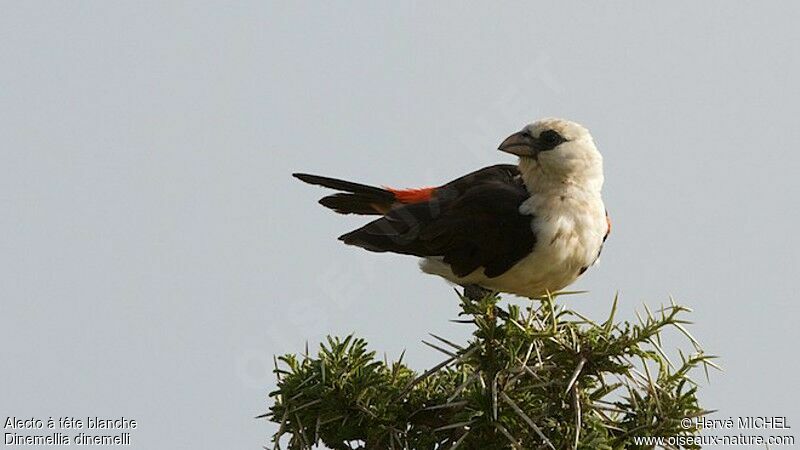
column 476, row 293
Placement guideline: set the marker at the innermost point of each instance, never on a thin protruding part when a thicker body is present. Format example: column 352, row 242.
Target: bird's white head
column 555, row 152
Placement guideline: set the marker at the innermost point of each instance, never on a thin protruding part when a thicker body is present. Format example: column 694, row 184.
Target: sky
column 155, row 252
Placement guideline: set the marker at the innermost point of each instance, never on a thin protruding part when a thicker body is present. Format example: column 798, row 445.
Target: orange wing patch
column 412, row 195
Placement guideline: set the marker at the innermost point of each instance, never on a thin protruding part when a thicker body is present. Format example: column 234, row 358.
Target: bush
column 542, row 377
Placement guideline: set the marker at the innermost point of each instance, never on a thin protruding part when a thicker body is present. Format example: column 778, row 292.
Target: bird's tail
column 355, row 198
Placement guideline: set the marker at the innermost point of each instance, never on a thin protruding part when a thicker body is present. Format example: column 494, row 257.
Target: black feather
column 346, row 186
column 472, row 222
column 353, row 204
column 358, row 199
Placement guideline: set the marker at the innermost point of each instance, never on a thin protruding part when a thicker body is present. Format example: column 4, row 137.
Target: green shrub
column 542, row 377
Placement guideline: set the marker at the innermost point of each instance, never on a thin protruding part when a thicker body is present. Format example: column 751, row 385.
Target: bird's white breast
column 569, row 234
column 569, row 229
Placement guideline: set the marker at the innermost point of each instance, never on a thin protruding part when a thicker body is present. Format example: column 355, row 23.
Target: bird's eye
column 551, row 138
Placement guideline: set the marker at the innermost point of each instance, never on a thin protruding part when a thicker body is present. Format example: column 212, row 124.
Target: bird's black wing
column 471, row 222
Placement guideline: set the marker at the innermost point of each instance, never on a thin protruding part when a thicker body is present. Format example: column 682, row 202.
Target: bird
column 529, row 229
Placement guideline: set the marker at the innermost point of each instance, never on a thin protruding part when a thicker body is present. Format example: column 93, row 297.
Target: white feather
column 568, row 217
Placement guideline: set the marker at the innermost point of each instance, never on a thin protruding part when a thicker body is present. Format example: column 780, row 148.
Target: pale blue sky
column 155, row 252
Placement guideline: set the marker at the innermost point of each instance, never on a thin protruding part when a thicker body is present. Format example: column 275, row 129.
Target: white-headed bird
column 524, row 229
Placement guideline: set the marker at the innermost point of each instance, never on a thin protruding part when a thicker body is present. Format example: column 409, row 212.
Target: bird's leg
column 475, row 293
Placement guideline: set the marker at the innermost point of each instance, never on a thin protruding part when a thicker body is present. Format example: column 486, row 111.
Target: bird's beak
column 520, row 144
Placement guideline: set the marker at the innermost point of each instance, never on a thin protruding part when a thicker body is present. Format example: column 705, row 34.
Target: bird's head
column 556, row 149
